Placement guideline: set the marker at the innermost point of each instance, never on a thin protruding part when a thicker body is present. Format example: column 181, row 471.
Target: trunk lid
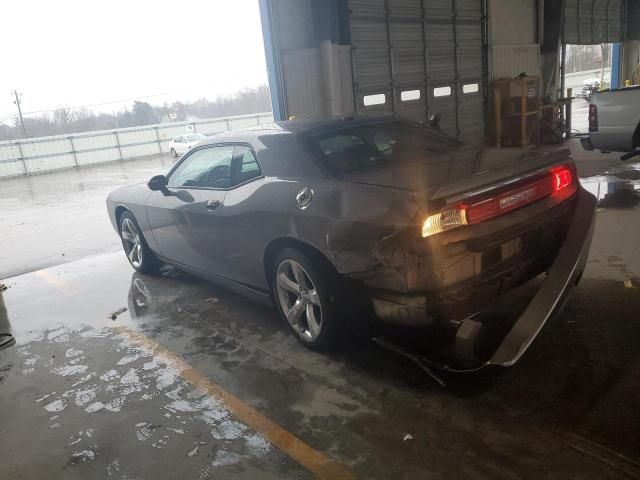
column 461, row 170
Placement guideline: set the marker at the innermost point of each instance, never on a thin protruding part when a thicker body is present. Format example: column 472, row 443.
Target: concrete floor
column 191, row 381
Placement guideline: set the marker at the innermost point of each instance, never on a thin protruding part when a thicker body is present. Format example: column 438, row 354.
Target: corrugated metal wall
column 421, row 57
column 302, row 77
column 44, row 154
column 508, row 61
column 588, row 22
column 317, row 81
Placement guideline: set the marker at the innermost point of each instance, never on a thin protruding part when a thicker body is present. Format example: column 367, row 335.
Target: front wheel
column 135, row 247
column 174, row 153
column 306, row 295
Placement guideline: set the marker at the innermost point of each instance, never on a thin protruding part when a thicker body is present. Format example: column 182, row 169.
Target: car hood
column 462, row 169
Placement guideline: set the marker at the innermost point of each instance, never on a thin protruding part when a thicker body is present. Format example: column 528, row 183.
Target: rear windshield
column 367, row 146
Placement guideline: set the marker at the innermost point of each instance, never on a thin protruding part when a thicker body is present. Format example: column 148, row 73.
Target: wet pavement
column 59, row 217
column 120, row 375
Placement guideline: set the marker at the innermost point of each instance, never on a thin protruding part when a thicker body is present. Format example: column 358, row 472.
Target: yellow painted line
column 314, row 461
column 51, row 279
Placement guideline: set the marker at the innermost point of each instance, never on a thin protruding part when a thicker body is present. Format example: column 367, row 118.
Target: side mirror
column 159, row 182
column 434, row 121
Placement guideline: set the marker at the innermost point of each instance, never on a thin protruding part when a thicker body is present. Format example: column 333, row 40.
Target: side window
column 178, row 140
column 245, row 166
column 204, row 168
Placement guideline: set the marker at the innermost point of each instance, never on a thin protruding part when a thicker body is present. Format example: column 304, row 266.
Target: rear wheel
column 307, row 299
column 135, row 247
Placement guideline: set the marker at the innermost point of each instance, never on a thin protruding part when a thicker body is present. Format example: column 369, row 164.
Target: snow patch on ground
column 72, row 352
column 67, row 370
column 128, row 359
column 56, row 406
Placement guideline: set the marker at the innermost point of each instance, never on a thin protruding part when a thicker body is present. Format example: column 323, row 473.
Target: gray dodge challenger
column 419, row 228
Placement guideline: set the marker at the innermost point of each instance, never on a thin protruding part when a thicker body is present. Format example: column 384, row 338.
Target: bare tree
column 65, row 120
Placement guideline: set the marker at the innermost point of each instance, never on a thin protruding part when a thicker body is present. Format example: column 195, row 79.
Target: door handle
column 213, row 204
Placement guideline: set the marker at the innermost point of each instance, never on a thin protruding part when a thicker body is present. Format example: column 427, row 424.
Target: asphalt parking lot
column 120, row 375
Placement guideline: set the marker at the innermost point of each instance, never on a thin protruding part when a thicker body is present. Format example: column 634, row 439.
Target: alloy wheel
column 132, row 242
column 299, row 299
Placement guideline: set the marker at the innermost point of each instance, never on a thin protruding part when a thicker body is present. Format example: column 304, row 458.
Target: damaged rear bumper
column 563, row 276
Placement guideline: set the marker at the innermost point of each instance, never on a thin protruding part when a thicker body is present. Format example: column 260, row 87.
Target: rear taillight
column 445, row 220
column 593, row 118
column 560, row 180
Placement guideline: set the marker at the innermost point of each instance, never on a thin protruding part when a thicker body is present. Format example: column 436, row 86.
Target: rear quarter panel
column 344, row 221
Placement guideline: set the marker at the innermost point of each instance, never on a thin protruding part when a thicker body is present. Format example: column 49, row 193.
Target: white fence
column 45, row 154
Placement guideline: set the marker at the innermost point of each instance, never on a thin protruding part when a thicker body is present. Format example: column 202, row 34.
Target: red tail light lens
column 593, row 118
column 507, row 201
column 561, row 179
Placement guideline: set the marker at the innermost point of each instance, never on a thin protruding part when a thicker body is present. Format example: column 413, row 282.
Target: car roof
column 296, row 127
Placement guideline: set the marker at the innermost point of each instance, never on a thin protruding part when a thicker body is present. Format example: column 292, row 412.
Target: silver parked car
column 305, row 213
column 183, row 143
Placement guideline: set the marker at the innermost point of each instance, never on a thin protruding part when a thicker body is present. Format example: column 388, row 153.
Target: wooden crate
column 516, row 111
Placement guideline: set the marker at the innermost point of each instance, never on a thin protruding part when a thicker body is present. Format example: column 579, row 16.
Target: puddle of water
column 616, row 188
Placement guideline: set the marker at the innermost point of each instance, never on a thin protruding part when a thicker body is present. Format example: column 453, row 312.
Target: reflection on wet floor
column 618, row 187
column 101, row 399
column 67, row 184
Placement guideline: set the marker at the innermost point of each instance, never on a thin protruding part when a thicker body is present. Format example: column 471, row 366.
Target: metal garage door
column 421, row 57
column 588, row 22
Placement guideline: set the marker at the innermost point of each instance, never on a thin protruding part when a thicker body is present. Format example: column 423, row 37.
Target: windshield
column 367, row 146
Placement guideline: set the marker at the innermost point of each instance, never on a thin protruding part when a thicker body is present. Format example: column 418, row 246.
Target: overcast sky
column 82, row 52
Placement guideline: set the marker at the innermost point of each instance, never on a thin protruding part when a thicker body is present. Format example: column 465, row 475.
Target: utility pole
column 17, row 102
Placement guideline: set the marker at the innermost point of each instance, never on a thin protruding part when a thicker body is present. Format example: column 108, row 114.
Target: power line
column 9, row 116
column 96, row 104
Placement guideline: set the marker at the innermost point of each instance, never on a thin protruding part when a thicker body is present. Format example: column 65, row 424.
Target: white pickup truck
column 614, row 122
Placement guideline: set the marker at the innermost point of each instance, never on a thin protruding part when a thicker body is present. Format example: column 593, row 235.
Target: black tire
column 326, row 284
column 144, row 260
column 174, row 153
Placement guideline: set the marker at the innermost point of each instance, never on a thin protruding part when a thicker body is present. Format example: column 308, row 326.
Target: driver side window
column 205, row 168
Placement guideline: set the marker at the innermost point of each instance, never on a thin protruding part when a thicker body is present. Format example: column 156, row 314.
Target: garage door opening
column 587, row 70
